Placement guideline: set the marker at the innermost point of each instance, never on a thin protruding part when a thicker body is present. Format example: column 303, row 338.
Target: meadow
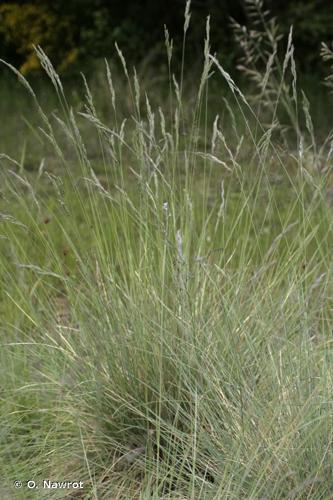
column 166, row 281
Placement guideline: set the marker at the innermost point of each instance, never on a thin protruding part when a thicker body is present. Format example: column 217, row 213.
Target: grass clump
column 168, row 307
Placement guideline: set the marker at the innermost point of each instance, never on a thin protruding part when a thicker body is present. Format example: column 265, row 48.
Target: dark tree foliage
column 312, row 21
column 73, row 31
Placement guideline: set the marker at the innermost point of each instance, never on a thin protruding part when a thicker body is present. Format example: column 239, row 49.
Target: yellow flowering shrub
column 25, row 26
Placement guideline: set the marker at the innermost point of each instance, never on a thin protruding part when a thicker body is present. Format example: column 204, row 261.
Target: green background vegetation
column 78, row 31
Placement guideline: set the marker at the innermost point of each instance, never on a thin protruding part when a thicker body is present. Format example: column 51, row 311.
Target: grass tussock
column 167, row 305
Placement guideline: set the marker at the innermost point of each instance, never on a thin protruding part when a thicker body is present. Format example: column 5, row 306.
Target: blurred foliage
column 31, row 24
column 312, row 21
column 83, row 30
